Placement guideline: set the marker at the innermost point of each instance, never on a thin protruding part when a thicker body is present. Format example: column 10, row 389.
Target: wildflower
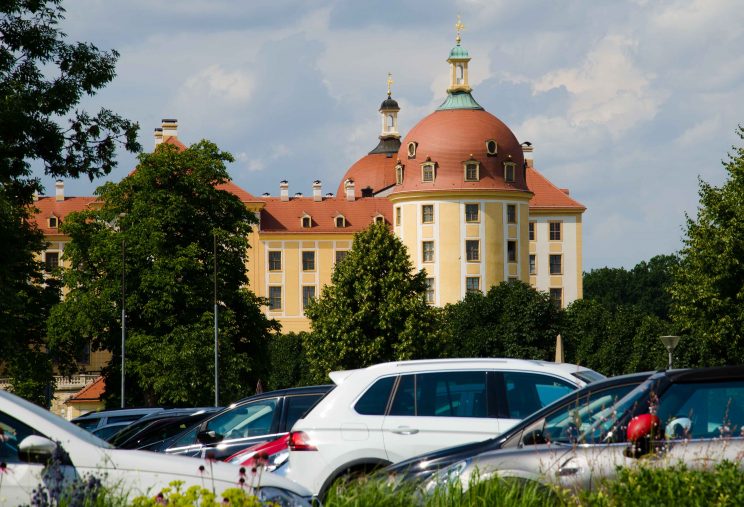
column 242, row 471
column 160, row 499
column 201, row 469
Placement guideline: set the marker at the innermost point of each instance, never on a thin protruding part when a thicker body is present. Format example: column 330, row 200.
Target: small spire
column 459, row 27
column 389, row 82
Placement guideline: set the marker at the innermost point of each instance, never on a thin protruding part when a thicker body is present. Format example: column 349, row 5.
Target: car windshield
column 604, row 428
column 127, row 432
column 246, row 420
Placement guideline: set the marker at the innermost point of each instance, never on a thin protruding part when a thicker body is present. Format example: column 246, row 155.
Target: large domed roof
column 451, row 137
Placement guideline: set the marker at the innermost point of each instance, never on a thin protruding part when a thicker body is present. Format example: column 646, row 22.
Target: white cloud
column 231, row 86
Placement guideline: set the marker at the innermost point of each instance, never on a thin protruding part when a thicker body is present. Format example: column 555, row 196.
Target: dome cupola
column 458, row 92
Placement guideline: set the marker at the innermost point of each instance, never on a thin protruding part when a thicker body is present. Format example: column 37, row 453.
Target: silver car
column 695, row 417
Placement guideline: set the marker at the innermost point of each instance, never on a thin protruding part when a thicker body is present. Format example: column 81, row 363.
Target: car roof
column 705, row 374
column 319, row 389
column 119, row 412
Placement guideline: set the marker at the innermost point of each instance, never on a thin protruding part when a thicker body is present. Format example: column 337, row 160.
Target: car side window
column 248, row 420
column 374, row 401
column 404, row 402
column 12, row 433
column 188, row 438
column 528, row 392
column 297, row 406
column 452, row 394
column 703, row 410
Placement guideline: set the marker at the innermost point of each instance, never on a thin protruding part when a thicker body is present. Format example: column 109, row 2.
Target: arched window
column 390, row 122
column 509, row 169
column 460, row 74
column 307, row 221
column 379, row 219
column 412, row 150
column 53, row 222
column 398, row 174
column 340, row 221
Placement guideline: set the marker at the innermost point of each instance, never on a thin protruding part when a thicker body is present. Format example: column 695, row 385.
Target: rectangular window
column 308, row 261
column 427, row 172
column 511, row 251
column 472, row 284
column 511, row 213
column 471, row 172
column 533, row 267
column 531, row 231
column 398, row 216
column 51, row 261
column 472, row 250
column 341, row 255
column 275, row 298
column 427, row 247
column 509, row 172
column 472, row 212
column 556, row 295
column 427, row 213
column 308, row 294
column 275, row 260
column 430, row 294
column 555, row 231
column 556, row 267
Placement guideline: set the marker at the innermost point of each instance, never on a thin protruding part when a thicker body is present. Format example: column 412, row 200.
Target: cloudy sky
column 627, row 103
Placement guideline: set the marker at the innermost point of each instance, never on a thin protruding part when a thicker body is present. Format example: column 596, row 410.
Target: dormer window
column 491, row 147
column 412, row 149
column 340, row 221
column 307, row 221
column 472, row 170
column 53, row 222
column 399, row 174
column 509, row 170
column 427, row 171
column 379, row 219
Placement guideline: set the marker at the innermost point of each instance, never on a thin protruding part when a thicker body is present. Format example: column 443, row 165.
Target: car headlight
column 448, row 475
column 282, row 497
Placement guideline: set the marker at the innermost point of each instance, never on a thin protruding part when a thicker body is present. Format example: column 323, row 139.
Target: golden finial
column 459, row 27
column 389, row 82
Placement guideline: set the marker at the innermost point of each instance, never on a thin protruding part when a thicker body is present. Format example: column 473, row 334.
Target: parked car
column 154, row 429
column 390, row 412
column 30, row 435
column 95, row 420
column 246, row 423
column 105, row 432
column 694, row 417
column 583, row 405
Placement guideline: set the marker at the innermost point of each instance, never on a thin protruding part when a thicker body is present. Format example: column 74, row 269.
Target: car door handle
column 404, row 430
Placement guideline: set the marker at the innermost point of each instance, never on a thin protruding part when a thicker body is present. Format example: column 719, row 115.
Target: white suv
column 390, row 412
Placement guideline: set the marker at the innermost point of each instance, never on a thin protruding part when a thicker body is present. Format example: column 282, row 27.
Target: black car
column 590, row 399
column 151, row 431
column 250, row 421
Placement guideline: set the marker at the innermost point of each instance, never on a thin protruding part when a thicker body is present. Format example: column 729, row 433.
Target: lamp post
column 216, row 328
column 123, row 307
column 670, row 342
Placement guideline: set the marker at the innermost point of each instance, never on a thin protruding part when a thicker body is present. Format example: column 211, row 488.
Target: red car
column 271, row 455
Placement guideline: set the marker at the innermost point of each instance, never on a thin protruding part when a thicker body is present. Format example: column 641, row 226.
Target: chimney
column 349, row 190
column 329, row 195
column 158, row 136
column 317, row 195
column 170, row 128
column 284, row 190
column 59, row 188
column 298, row 194
column 528, row 151
column 266, row 194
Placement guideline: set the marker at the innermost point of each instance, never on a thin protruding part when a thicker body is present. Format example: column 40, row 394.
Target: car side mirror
column 534, row 437
column 207, row 437
column 36, row 449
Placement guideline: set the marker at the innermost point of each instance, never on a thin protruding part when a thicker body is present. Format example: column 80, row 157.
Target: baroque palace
column 460, row 191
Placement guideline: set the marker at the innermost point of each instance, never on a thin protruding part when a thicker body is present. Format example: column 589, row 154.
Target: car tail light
column 300, row 441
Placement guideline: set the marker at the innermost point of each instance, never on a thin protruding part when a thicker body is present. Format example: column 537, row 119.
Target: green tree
column 511, row 320
column 289, row 364
column 42, row 79
column 158, row 227
column 708, row 290
column 373, row 311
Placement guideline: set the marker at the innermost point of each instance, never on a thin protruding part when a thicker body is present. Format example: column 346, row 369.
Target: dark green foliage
column 646, row 285
column 289, row 365
column 374, row 310
column 42, row 79
column 708, row 292
column 166, row 216
column 511, row 320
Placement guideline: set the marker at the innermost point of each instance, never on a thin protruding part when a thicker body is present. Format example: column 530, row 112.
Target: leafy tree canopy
column 43, row 77
column 158, row 227
column 708, row 291
column 511, row 320
column 374, row 310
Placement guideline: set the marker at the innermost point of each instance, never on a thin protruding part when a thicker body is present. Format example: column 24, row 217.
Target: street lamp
column 123, row 307
column 216, row 329
column 670, row 342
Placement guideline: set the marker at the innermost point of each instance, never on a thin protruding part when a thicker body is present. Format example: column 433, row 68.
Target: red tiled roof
column 50, row 206
column 286, row 216
column 451, row 137
column 375, row 170
column 547, row 195
column 92, row 392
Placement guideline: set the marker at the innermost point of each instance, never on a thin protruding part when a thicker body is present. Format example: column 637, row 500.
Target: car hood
column 443, row 457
